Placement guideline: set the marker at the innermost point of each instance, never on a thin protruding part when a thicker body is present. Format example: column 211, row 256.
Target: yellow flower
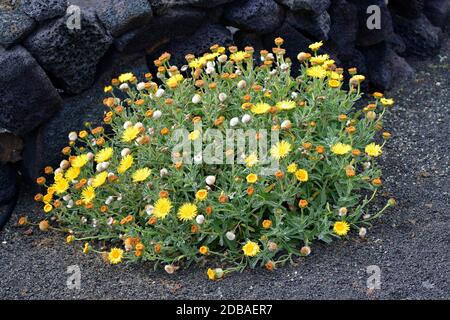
column 72, row 173
column 341, row 148
column 316, row 46
column 60, row 186
column 341, row 228
column 373, row 150
column 125, row 163
column 260, row 108
column 48, row 208
column 302, row 175
column 141, row 174
column 197, row 63
column 70, row 238
column 194, row 135
column 335, row 76
column 173, row 81
column 99, row 179
column 162, row 208
column 292, row 168
column 201, row 194
column 387, row 102
column 80, row 161
column 115, row 256
column 320, row 59
column 187, row 211
column 130, row 134
column 238, row 56
column 280, row 150
column 316, row 72
column 88, row 194
column 86, row 248
column 126, row 77
column 251, row 160
column 334, row 83
column 107, row 89
column 251, row 249
column 211, row 274
column 104, row 155
column 252, row 178
column 203, row 250
column 286, row 105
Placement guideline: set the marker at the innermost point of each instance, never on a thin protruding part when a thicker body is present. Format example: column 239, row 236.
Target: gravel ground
column 410, row 244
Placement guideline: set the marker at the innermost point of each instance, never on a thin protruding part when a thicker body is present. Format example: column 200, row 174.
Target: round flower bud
column 90, row 156
column 230, row 235
column 58, row 171
column 125, row 152
column 272, row 246
column 196, row 99
column 159, row 93
column 139, row 125
column 223, row 58
column 286, row 124
column 169, row 268
column 242, row 84
column 157, row 114
column 73, row 136
column 343, row 211
column 163, row 172
column 371, row 115
column 362, row 232
column 124, row 87
column 305, row 251
column 67, row 197
column 109, row 200
column 219, row 273
column 234, row 122
column 140, row 86
column 70, row 204
column 284, row 66
column 246, row 118
column 127, row 124
column 210, row 180
column 302, row 56
column 210, row 70
column 200, row 219
column 222, row 97
column 64, row 164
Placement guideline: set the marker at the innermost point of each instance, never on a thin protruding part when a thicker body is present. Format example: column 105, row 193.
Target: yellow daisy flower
column 80, row 161
column 251, row 160
column 280, row 150
column 260, row 108
column 162, row 208
column 88, row 194
column 320, row 59
column 373, row 150
column 316, row 46
column 126, row 77
column 302, row 175
column 194, row 135
column 292, row 168
column 60, row 186
column 387, row 102
column 341, row 228
column 251, row 249
column 316, row 72
column 104, row 155
column 130, row 134
column 286, row 105
column 173, row 81
column 141, row 175
column 125, row 163
column 72, row 173
column 99, row 179
column 201, row 194
column 252, row 178
column 187, row 211
column 341, row 148
column 238, row 56
column 115, row 256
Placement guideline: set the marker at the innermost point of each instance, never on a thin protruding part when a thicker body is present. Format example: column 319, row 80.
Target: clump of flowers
column 128, row 183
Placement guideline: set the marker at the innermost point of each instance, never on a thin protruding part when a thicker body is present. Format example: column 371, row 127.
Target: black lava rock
column 258, row 16
column 119, row 16
column 420, row 36
column 344, row 26
column 160, row 30
column 243, row 39
column 438, row 12
column 199, row 42
column 27, row 97
column 8, row 183
column 317, row 6
column 70, row 55
column 378, row 67
column 407, row 8
column 162, row 5
column 315, row 26
column 14, row 26
column 43, row 146
column 41, row 10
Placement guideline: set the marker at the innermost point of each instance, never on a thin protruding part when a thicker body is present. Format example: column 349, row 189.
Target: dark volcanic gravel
column 410, row 243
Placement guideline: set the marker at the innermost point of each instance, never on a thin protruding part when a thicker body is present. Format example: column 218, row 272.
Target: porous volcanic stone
column 199, row 42
column 420, row 36
column 43, row 146
column 8, row 183
column 344, row 26
column 317, row 6
column 27, row 97
column 316, row 26
column 162, row 5
column 70, row 55
column 378, row 66
column 243, row 39
column 41, row 10
column 438, row 12
column 14, row 26
column 259, row 16
column 119, row 16
column 407, row 8
column 160, row 30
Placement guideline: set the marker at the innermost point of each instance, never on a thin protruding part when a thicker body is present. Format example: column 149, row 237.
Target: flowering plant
column 137, row 184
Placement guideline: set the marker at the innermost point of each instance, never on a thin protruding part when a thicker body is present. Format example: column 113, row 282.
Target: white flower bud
column 139, row 125
column 286, row 124
column 58, row 171
column 210, row 70
column 124, row 87
column 73, row 136
column 200, row 219
column 64, row 164
column 184, row 68
column 163, row 172
column 362, row 232
column 230, row 235
column 157, row 114
column 125, row 152
column 210, row 180
column 234, row 122
column 67, row 197
column 242, row 84
column 223, row 58
column 149, row 209
column 90, row 156
column 169, row 268
column 246, row 118
column 294, row 95
column 70, row 204
column 270, row 56
column 222, row 97
column 284, row 66
column 127, row 124
column 109, row 200
column 196, row 98
column 366, row 165
column 140, row 86
column 273, row 72
column 198, row 158
column 159, row 93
